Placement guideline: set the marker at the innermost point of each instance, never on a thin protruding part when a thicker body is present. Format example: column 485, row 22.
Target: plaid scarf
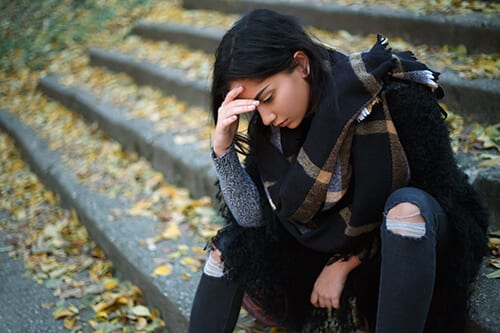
column 329, row 182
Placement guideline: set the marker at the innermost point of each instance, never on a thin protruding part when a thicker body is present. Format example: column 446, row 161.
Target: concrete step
column 183, row 165
column 205, row 39
column 477, row 99
column 120, row 236
column 478, row 32
column 171, row 81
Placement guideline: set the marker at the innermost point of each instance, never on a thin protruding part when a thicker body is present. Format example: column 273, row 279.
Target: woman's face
column 283, row 97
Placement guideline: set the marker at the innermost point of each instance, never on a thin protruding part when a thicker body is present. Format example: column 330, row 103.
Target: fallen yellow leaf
column 16, row 166
column 494, row 274
column 494, row 242
column 101, row 315
column 103, row 305
column 172, row 231
column 183, row 248
column 141, row 324
column 192, row 263
column 162, row 270
column 488, row 163
column 140, row 311
column 198, row 250
column 69, row 322
column 110, row 284
column 62, row 313
column 140, row 207
column 495, row 262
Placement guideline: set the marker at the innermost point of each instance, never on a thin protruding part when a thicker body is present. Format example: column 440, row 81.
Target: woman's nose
column 267, row 116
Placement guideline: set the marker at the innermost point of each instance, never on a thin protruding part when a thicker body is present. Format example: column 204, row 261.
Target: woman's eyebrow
column 261, row 91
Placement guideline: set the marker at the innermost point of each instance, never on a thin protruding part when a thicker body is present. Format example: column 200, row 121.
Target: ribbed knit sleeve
column 238, row 189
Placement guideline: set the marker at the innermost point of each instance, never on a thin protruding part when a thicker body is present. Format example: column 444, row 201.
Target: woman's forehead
column 251, row 87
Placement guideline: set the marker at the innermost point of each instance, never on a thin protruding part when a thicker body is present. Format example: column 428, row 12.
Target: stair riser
column 171, row 82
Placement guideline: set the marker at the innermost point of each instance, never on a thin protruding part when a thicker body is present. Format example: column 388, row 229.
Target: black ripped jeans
column 408, row 267
column 407, row 276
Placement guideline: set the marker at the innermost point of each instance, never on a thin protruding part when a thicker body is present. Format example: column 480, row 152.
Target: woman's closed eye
column 268, row 99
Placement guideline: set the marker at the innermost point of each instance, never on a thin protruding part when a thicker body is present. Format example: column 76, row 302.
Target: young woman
column 349, row 198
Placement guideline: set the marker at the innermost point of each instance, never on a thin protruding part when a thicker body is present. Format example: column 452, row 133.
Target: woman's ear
column 301, row 60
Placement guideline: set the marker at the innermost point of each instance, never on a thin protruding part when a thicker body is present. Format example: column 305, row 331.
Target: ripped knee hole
column 214, row 266
column 406, row 219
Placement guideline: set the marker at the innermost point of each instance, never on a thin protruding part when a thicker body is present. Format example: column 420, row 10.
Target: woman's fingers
column 227, row 119
column 335, row 303
column 314, row 299
column 237, row 107
column 324, row 301
column 232, row 94
column 232, row 106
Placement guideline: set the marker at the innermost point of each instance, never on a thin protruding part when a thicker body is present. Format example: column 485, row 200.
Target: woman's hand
column 227, row 119
column 330, row 283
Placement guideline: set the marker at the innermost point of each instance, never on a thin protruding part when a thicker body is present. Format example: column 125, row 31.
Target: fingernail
column 256, row 102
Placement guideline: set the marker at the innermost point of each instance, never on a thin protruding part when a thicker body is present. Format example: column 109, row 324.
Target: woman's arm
column 238, row 189
column 327, row 290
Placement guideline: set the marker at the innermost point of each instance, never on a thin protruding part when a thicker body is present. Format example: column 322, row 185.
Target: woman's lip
column 283, row 123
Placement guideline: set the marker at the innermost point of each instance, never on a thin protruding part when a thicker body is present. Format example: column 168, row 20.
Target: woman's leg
column 217, row 301
column 413, row 226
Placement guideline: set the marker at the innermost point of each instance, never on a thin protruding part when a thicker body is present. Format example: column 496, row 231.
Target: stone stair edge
column 205, row 39
column 169, row 80
column 121, row 244
column 180, row 164
column 475, row 30
column 462, row 95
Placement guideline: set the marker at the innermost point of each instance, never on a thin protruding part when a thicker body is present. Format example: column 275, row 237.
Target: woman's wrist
column 219, row 152
column 351, row 261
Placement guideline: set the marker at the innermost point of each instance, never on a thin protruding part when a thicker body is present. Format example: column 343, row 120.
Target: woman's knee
column 216, row 254
column 405, row 219
column 214, row 266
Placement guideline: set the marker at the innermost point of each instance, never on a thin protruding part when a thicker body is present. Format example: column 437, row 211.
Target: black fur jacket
column 425, row 138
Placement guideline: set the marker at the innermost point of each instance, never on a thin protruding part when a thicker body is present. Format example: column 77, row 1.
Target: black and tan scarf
column 328, row 187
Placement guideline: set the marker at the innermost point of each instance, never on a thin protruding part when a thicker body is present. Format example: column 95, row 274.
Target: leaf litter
column 58, row 253
column 494, row 260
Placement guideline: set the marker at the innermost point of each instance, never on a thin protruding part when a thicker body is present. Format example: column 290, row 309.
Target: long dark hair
column 262, row 43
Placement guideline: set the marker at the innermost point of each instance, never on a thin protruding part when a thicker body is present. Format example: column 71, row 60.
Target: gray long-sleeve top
column 238, row 189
